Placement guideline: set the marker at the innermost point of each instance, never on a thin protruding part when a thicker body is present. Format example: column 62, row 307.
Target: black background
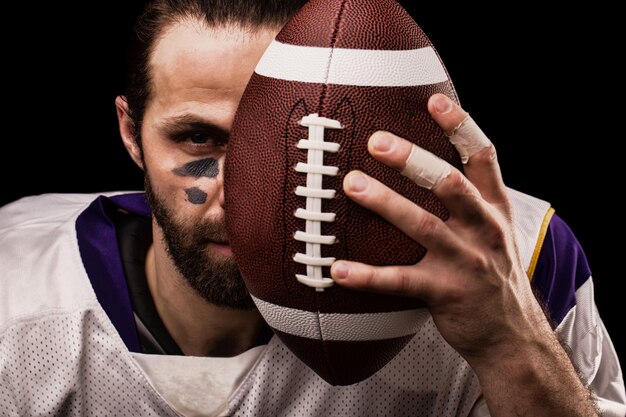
column 542, row 84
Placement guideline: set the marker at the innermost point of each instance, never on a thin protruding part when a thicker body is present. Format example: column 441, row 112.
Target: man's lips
column 222, row 247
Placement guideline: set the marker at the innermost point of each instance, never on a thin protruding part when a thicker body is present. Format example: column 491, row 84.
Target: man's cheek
column 206, row 167
column 196, row 195
column 201, row 168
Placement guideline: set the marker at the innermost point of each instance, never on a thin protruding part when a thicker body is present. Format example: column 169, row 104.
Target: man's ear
column 126, row 130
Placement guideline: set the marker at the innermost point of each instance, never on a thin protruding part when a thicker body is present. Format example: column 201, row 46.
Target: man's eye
column 199, row 138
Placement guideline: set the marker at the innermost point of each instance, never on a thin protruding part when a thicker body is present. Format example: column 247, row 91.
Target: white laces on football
column 314, row 193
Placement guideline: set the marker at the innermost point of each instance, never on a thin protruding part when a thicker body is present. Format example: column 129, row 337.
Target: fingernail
column 357, row 182
column 340, row 270
column 382, row 141
column 443, row 104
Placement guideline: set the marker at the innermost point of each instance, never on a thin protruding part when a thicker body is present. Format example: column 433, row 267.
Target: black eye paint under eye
column 196, row 195
column 207, row 167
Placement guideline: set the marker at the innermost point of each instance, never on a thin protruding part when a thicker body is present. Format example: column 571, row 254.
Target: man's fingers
column 446, row 113
column 482, row 168
column 459, row 196
column 464, row 133
column 389, row 149
column 400, row 280
column 426, row 169
column 476, row 150
column 418, row 224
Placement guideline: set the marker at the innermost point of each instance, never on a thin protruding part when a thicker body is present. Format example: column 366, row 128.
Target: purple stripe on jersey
column 101, row 256
column 561, row 269
column 135, row 202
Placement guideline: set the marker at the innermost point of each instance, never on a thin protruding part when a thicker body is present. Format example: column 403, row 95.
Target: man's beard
column 212, row 275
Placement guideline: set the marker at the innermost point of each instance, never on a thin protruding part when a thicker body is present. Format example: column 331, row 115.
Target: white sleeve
column 608, row 383
column 593, row 353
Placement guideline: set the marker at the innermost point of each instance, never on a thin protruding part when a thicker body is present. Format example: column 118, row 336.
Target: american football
column 337, row 72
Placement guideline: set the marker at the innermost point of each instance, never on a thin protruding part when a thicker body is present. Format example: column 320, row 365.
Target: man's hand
column 471, row 278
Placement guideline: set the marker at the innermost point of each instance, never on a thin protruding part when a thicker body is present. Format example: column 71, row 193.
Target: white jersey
column 68, row 340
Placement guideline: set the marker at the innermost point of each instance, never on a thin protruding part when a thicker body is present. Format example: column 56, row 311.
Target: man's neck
column 198, row 327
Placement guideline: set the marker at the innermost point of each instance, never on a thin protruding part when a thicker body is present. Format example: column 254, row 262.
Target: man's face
column 198, row 77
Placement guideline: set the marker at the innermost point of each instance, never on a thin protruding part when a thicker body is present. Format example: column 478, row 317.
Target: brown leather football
column 336, row 73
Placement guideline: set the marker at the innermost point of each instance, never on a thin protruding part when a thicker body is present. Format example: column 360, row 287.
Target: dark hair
column 158, row 15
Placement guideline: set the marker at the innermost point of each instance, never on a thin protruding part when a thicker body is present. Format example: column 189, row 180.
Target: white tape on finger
column 469, row 139
column 426, row 169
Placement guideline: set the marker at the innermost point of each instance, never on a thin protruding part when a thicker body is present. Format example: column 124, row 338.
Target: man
column 113, row 308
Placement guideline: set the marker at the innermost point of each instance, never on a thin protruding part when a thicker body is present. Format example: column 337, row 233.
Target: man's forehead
column 190, row 54
column 189, row 41
column 204, row 70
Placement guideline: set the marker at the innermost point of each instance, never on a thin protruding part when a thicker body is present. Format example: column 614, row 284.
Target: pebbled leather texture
column 260, row 177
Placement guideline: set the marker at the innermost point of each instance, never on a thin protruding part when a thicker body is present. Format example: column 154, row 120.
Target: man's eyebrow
column 176, row 125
